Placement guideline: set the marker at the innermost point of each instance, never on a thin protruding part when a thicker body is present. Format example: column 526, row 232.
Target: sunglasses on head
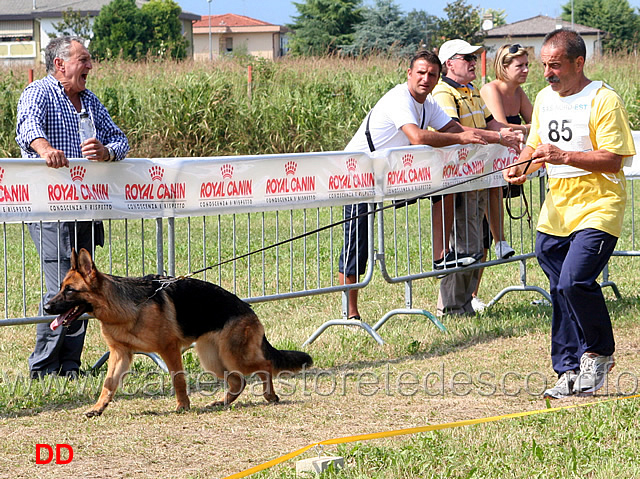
column 514, row 48
column 467, row 58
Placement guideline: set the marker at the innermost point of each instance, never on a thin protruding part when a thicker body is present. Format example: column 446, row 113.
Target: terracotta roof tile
column 229, row 20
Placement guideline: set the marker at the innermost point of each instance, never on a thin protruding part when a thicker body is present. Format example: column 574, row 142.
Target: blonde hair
column 504, row 57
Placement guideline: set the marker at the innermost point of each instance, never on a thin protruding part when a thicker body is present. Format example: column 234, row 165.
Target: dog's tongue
column 55, row 324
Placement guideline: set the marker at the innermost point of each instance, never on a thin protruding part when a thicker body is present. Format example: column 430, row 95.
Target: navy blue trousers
column 580, row 319
column 355, row 252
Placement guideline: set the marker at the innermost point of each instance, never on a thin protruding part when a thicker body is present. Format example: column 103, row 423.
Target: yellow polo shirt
column 462, row 102
column 594, row 200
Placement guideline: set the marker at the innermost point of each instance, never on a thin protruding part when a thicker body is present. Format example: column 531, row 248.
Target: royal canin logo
column 156, row 173
column 155, row 192
column 227, row 171
column 352, row 180
column 290, row 168
column 291, row 183
column 77, row 190
column 463, row 166
column 77, row 173
column 228, row 187
column 502, row 163
column 408, row 174
column 13, row 194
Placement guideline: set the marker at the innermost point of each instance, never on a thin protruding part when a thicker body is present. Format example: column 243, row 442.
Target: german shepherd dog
column 163, row 315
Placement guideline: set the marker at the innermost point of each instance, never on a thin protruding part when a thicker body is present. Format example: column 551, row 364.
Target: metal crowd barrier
column 399, row 246
column 139, row 247
column 405, row 250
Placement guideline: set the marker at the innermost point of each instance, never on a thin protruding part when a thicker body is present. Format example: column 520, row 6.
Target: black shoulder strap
column 367, row 133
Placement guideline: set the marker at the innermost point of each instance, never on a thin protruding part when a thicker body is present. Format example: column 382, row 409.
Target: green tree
column 167, row 39
column 385, row 28
column 323, row 25
column 462, row 21
column 121, row 29
column 616, row 17
column 74, row 24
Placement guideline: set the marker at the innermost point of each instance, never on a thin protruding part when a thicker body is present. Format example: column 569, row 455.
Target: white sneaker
column 593, row 372
column 478, row 305
column 563, row 387
column 504, row 250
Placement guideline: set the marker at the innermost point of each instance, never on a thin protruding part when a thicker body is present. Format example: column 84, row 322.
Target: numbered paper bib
column 564, row 122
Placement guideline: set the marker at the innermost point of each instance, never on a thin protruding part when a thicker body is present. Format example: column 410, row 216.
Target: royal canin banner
column 166, row 187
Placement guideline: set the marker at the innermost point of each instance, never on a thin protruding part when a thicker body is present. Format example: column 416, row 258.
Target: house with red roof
column 230, row 34
column 25, row 25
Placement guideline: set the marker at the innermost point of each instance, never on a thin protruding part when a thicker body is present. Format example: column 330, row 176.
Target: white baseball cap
column 456, row 47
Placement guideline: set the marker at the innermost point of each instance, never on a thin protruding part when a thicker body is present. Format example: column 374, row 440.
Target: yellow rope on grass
column 413, row 430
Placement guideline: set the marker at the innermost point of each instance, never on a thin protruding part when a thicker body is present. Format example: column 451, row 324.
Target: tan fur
column 128, row 327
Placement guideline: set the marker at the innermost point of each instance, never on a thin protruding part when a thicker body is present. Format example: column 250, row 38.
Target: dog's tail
column 285, row 360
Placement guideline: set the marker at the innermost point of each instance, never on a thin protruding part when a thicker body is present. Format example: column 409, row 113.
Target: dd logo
column 48, row 455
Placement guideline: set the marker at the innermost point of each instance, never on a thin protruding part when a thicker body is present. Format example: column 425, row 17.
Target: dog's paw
column 273, row 399
column 93, row 413
column 216, row 405
column 183, row 407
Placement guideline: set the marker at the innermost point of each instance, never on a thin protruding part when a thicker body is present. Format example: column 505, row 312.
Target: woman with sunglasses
column 504, row 96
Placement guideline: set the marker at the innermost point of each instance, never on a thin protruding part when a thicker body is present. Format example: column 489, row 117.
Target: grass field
column 420, row 377
column 489, row 365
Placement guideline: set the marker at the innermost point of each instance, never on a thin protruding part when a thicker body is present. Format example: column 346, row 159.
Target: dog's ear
column 74, row 259
column 83, row 263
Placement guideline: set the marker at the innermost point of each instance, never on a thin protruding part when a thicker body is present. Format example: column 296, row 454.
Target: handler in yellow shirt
column 580, row 132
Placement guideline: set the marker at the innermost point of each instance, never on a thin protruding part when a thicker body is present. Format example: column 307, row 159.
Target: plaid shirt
column 45, row 111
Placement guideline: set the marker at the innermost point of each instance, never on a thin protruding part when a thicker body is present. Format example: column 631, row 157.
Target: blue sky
column 281, row 11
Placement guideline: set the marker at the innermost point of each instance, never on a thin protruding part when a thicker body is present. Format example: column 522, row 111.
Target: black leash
column 395, row 204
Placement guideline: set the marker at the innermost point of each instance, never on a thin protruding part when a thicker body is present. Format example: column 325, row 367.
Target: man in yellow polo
column 580, row 132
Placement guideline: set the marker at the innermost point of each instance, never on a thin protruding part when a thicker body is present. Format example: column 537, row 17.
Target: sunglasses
column 467, row 58
column 514, row 48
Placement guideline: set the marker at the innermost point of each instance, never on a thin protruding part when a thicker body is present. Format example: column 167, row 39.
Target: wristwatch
column 112, row 154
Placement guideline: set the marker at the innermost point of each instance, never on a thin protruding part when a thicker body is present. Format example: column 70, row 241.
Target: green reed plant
column 174, row 109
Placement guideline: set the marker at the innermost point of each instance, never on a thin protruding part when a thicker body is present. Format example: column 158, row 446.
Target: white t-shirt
column 394, row 110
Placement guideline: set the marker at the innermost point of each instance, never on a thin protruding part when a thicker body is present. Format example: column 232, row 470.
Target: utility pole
column 210, row 41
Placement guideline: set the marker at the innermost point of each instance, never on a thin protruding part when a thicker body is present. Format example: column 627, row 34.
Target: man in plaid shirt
column 48, row 128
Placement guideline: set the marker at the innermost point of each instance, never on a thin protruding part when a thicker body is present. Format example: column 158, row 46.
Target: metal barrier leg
column 154, row 357
column 423, row 312
column 606, row 282
column 523, row 286
column 408, row 295
column 519, row 288
column 100, row 362
column 344, row 322
column 345, row 293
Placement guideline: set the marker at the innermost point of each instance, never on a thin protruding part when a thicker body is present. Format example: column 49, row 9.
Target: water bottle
column 85, row 127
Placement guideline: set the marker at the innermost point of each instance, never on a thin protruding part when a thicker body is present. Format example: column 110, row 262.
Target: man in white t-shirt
column 400, row 118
